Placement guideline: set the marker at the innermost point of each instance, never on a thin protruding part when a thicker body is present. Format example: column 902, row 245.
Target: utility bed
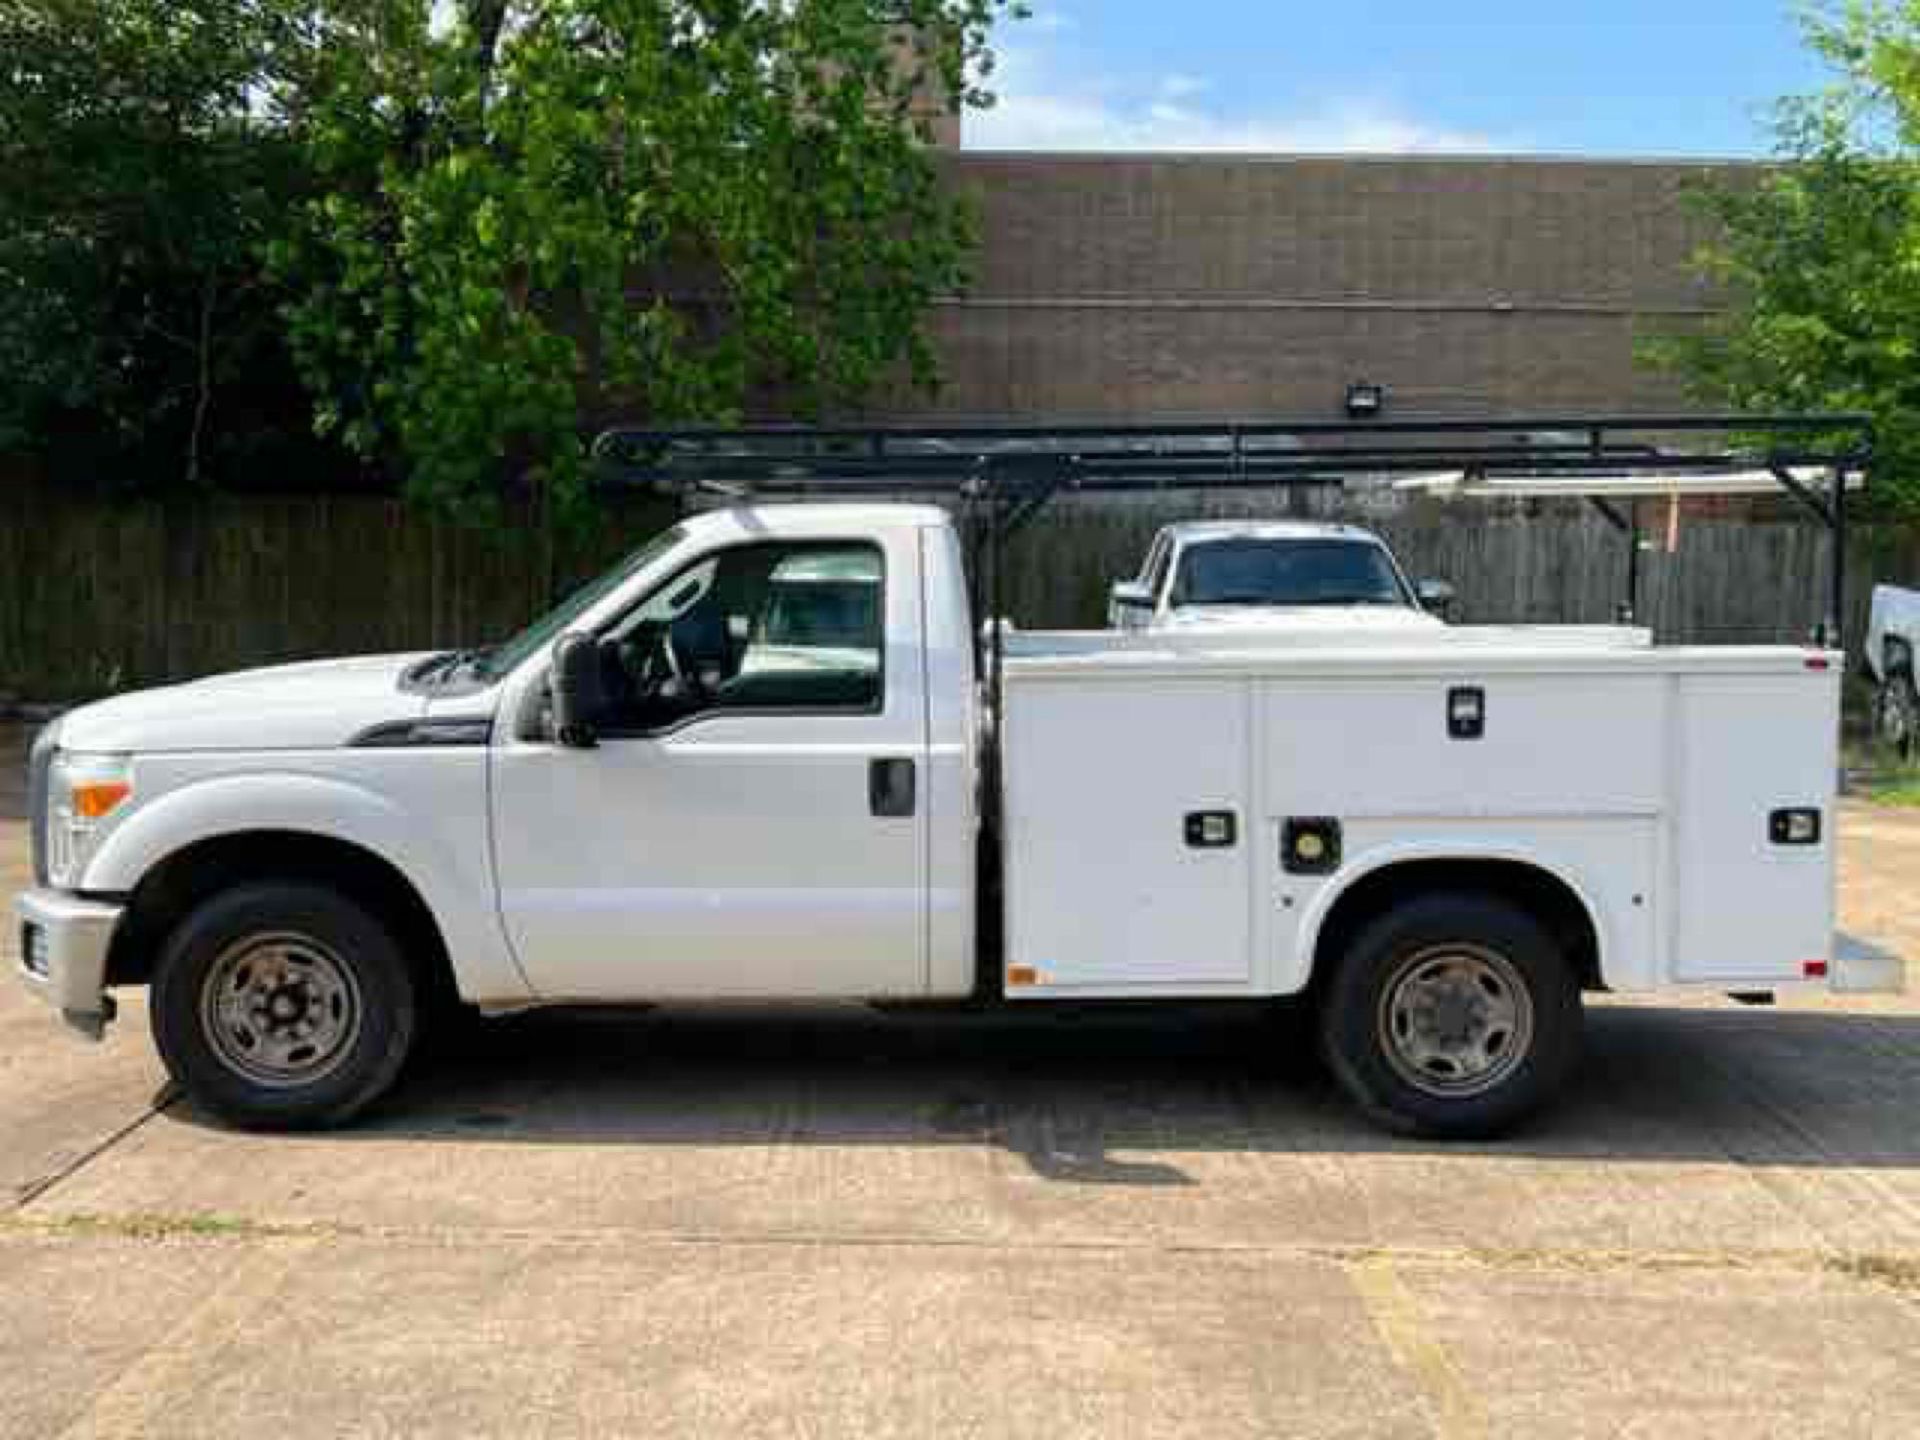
column 1684, row 795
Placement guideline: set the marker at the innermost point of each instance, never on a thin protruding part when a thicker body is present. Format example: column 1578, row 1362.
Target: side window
column 757, row 627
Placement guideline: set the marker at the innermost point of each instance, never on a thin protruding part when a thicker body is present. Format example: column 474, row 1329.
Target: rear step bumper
column 1861, row 968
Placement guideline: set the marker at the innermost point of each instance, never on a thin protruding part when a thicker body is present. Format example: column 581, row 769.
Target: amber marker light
column 96, row 799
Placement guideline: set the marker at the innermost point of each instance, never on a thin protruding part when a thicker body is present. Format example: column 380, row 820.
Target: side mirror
column 1435, row 595
column 1128, row 604
column 579, row 698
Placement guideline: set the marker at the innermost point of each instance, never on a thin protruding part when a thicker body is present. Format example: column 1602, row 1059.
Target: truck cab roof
column 1188, row 531
column 772, row 520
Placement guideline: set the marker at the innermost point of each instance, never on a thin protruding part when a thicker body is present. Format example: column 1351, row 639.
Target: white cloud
column 1043, row 105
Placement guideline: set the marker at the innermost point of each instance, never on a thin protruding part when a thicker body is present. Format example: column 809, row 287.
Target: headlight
column 85, row 795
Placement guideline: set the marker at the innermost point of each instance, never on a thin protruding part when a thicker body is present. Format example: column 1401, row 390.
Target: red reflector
column 1819, row 662
column 1814, row 969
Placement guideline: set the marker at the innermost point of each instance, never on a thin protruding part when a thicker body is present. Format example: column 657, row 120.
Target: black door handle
column 890, row 788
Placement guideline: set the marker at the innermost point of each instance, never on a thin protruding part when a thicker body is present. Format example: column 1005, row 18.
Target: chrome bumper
column 63, row 955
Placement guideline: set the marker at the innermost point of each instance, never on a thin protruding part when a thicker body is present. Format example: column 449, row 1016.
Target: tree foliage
column 142, row 172
column 454, row 234
column 668, row 208
column 1821, row 254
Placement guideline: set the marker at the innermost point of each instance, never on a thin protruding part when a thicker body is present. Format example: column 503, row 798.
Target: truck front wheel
column 283, row 1006
column 1452, row 1016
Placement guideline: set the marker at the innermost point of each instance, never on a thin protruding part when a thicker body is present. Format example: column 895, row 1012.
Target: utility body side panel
column 1087, row 824
column 1741, row 898
column 1379, row 747
column 1643, row 781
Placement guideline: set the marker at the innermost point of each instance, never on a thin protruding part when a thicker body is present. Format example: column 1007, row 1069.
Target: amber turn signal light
column 96, row 800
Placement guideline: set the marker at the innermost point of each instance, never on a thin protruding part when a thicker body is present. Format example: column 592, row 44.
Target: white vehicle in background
column 1258, row 574
column 1893, row 640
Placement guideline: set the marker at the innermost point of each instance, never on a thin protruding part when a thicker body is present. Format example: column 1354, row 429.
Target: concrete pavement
column 837, row 1223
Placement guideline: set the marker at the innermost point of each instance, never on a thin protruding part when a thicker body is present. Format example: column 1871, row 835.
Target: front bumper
column 64, row 941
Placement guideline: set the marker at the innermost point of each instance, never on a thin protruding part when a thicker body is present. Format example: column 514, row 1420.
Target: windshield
column 502, row 658
column 1250, row 571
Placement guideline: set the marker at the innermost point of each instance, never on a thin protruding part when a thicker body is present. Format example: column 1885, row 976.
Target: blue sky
column 1607, row 77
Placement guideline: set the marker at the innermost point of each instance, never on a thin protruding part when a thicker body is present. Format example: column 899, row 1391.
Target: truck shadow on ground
column 1115, row 1100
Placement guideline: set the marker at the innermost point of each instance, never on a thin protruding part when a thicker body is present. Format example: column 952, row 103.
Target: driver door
column 753, row 822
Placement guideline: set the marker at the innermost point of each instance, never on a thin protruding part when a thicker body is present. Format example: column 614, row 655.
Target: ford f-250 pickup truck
column 753, row 762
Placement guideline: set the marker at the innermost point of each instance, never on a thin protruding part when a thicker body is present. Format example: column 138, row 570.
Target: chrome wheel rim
column 281, row 1010
column 1455, row 1020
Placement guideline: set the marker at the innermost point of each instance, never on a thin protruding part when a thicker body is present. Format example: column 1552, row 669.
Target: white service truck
column 755, row 761
column 1263, row 574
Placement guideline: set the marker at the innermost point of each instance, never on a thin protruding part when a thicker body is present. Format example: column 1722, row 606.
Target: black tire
column 332, row 961
column 1479, row 951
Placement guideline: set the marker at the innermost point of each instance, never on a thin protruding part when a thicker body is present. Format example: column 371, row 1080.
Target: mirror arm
column 577, row 736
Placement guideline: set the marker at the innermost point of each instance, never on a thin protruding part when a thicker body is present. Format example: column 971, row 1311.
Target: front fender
column 451, row 874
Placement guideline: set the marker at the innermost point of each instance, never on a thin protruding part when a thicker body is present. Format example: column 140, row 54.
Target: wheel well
column 1896, row 656
column 1543, row 895
column 170, row 890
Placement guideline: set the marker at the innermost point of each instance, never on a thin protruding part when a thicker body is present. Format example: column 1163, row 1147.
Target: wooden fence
column 100, row 594
column 1730, row 577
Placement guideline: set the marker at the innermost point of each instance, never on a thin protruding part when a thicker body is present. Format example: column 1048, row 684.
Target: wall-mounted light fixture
column 1365, row 400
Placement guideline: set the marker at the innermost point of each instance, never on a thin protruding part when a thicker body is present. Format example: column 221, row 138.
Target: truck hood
column 310, row 706
column 1314, row 619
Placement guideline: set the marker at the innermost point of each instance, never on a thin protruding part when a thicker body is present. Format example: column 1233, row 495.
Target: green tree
column 143, row 169
column 1820, row 255
column 531, row 216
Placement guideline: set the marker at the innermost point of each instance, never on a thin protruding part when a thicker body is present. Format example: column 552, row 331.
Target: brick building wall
column 1127, row 286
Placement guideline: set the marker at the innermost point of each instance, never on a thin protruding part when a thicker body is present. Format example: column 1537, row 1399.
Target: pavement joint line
column 36, row 1189
column 129, row 1403
column 1891, row 1269
column 1456, row 1411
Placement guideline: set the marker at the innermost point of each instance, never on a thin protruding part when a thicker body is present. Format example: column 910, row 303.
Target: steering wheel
column 670, row 654
column 666, row 674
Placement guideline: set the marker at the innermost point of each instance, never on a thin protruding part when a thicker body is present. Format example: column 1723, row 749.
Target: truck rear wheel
column 283, row 1006
column 1452, row 1016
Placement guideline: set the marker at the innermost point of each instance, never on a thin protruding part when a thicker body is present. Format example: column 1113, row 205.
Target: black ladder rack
column 1005, row 474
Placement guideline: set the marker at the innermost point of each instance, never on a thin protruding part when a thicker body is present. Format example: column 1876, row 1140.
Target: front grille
column 39, row 768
